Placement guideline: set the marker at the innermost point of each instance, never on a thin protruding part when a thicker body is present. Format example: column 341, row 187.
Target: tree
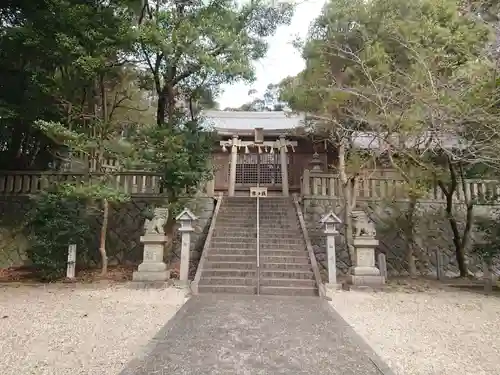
column 213, row 41
column 391, row 68
column 48, row 73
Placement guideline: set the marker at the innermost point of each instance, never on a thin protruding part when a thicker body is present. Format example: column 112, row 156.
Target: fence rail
column 328, row 185
column 27, row 183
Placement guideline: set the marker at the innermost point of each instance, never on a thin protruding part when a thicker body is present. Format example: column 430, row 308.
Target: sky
column 282, row 59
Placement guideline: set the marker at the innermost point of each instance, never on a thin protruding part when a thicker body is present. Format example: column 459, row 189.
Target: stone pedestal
column 152, row 267
column 364, row 273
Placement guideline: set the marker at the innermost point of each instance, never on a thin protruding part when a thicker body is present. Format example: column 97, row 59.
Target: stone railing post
column 185, row 218
column 153, row 268
column 330, row 222
column 365, row 273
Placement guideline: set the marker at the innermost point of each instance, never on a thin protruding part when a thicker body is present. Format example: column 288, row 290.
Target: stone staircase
column 231, row 264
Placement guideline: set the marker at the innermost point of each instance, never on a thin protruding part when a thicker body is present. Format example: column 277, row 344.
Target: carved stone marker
column 382, row 265
column 185, row 218
column 70, row 271
column 152, row 267
column 364, row 272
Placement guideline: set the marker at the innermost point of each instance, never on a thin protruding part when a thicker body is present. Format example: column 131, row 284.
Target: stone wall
column 432, row 232
column 125, row 227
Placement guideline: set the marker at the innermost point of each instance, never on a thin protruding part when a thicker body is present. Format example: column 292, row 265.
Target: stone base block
column 182, row 284
column 365, row 271
column 366, row 280
column 151, row 276
column 152, row 267
column 332, row 287
column 140, row 285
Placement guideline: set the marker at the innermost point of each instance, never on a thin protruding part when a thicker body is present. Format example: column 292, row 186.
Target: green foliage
column 52, row 54
column 179, row 153
column 60, row 218
column 204, row 44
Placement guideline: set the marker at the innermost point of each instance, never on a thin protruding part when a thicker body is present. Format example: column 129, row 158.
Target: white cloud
column 282, row 58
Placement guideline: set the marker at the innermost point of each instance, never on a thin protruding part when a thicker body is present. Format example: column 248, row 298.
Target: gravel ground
column 61, row 330
column 427, row 333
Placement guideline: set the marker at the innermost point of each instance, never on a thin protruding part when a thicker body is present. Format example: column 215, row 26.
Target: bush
column 487, row 248
column 59, row 218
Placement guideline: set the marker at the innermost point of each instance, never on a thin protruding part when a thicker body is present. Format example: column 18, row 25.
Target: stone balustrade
column 33, row 182
column 320, row 185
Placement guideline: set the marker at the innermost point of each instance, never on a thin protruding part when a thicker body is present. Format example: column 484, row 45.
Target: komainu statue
column 157, row 223
column 363, row 226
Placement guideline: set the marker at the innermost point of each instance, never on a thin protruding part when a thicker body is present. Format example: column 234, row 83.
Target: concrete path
column 256, row 335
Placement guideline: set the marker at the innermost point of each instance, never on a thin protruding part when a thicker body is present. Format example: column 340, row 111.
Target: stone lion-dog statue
column 157, row 223
column 363, row 226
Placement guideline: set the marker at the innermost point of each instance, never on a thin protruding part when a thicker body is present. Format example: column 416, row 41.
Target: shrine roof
column 228, row 122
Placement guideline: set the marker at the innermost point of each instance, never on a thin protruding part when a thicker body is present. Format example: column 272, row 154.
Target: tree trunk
column 348, row 202
column 460, row 241
column 102, row 239
column 161, row 109
column 409, row 235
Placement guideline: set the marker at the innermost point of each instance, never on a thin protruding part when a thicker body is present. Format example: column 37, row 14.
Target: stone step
column 222, row 232
column 265, row 247
column 288, row 282
column 279, row 252
column 234, row 238
column 225, row 280
column 281, row 241
column 303, row 259
column 250, row 218
column 234, row 289
column 286, row 266
column 286, row 274
column 264, row 232
column 236, row 221
column 221, row 272
column 222, row 238
column 222, row 244
column 233, row 265
column 264, row 227
column 288, row 291
column 233, row 251
column 233, row 257
column 273, row 214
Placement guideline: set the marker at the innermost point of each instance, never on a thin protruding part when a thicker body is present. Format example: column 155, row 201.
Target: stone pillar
column 364, row 273
column 330, row 221
column 232, row 171
column 152, row 267
column 71, row 267
column 185, row 218
column 284, row 166
column 210, row 186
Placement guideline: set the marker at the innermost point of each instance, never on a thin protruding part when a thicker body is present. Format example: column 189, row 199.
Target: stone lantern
column 185, row 218
column 316, row 163
column 330, row 221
